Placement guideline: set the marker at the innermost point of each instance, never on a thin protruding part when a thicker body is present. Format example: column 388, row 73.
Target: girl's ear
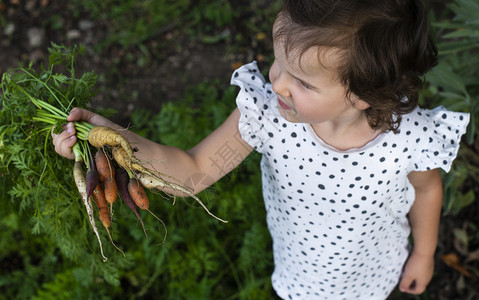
column 358, row 103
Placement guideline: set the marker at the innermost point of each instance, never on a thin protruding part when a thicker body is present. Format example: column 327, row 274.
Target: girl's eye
column 304, row 84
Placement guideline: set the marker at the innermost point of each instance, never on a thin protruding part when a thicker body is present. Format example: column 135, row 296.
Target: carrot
column 154, row 182
column 121, row 157
column 122, row 180
column 127, row 162
column 92, row 180
column 80, row 182
column 111, row 191
column 100, row 201
column 100, row 136
column 103, row 166
column 103, row 213
column 133, row 164
column 151, row 179
column 106, row 173
column 137, row 193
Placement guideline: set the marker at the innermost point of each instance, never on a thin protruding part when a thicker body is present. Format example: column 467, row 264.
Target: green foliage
column 207, row 20
column 133, row 22
column 454, row 200
column 453, row 83
column 31, row 169
column 39, row 200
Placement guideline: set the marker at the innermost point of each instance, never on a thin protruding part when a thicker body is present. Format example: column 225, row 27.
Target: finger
column 411, row 287
column 407, row 284
column 64, row 148
column 417, row 288
column 80, row 114
column 64, row 141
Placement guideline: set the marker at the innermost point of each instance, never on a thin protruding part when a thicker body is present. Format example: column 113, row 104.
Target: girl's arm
column 424, row 218
column 212, row 158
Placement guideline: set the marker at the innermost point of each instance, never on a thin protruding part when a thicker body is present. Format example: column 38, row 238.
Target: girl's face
column 308, row 89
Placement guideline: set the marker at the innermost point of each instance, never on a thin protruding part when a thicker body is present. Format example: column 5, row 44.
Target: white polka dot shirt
column 338, row 218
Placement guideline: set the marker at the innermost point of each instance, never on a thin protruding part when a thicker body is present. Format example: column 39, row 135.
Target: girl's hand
column 64, row 141
column 417, row 274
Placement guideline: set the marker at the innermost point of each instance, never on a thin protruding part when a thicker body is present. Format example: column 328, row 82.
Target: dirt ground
column 173, row 62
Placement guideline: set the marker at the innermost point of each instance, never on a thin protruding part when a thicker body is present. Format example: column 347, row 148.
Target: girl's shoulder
column 438, row 114
column 259, row 117
column 435, row 121
column 436, row 135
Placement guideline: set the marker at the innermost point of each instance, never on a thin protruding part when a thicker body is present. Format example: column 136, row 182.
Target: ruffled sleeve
column 254, row 99
column 443, row 130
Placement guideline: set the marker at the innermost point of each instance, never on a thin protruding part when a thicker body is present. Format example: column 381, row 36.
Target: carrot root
column 111, row 191
column 92, row 181
column 122, row 179
column 113, row 243
column 162, row 223
column 134, row 165
column 80, row 182
column 137, row 193
column 100, row 136
column 104, row 166
column 126, row 161
column 103, row 213
column 154, row 182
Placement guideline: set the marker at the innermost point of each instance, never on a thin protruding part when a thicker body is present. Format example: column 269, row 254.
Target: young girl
column 350, row 163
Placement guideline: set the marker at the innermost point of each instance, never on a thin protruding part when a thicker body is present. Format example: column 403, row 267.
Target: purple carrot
column 122, row 180
column 92, row 178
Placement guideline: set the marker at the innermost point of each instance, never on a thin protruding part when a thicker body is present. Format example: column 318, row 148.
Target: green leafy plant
column 453, row 83
column 38, row 191
column 28, row 161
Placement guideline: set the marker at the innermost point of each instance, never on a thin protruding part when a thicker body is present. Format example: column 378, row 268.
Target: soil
column 130, row 80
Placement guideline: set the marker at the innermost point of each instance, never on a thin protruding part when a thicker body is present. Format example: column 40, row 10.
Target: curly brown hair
column 386, row 47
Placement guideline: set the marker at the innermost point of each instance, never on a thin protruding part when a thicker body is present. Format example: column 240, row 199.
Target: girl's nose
column 278, row 81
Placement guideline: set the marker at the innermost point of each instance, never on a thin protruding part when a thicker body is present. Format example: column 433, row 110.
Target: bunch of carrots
column 112, row 168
